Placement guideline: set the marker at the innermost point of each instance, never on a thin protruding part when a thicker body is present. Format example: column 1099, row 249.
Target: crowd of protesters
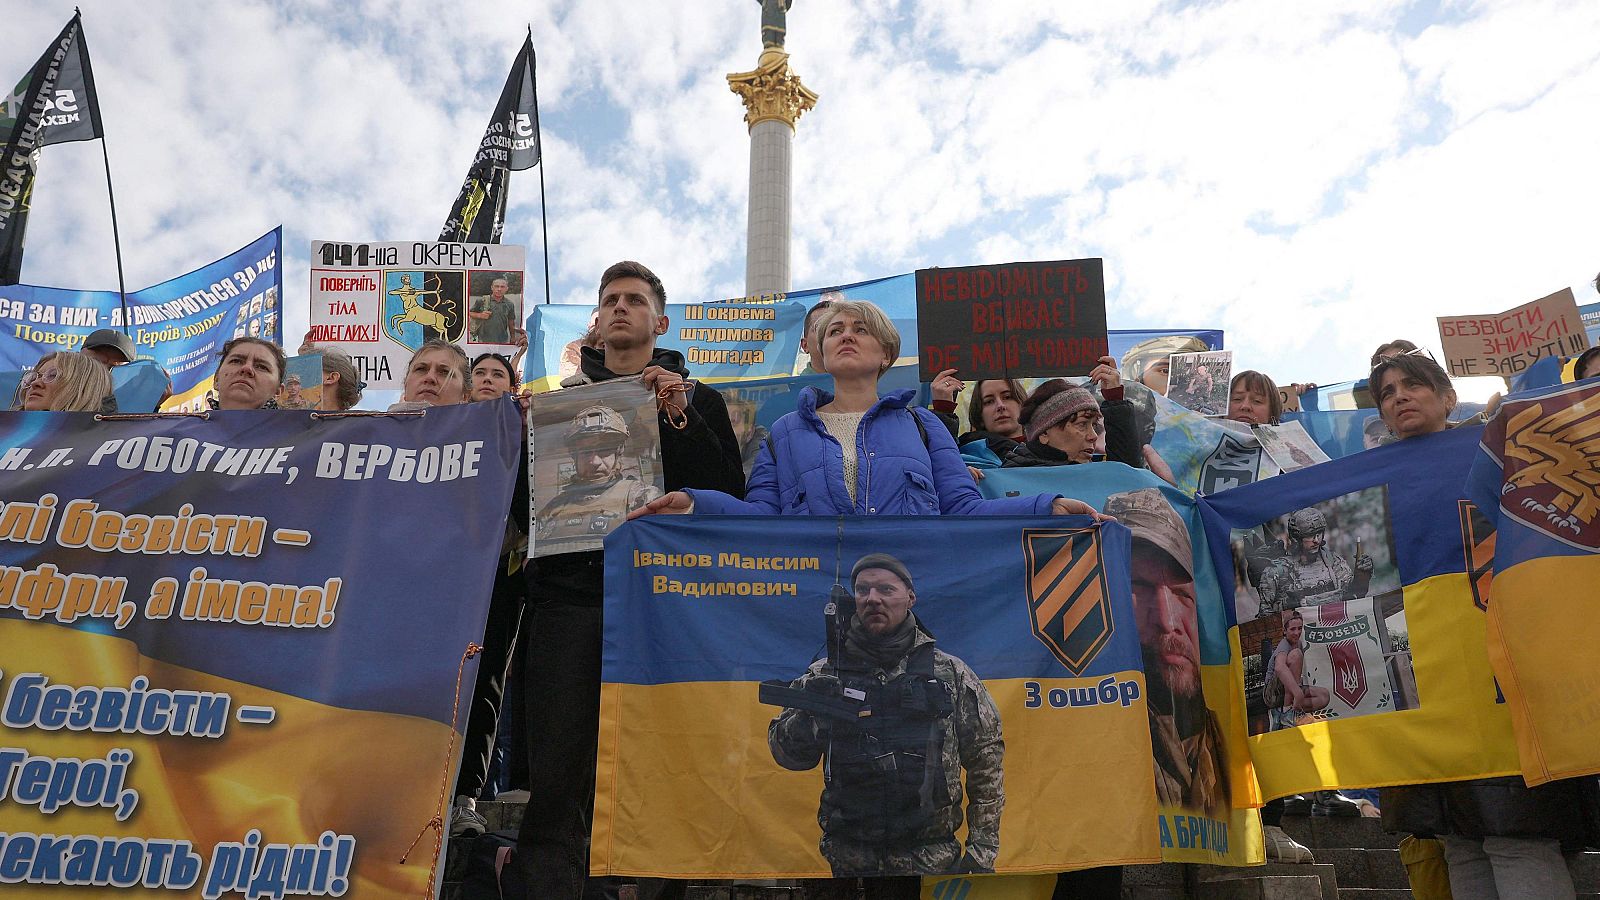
column 854, row 450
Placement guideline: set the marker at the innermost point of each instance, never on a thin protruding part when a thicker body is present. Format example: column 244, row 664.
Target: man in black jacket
column 563, row 629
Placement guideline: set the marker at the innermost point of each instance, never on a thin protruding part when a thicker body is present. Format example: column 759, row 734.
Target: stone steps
column 1356, row 860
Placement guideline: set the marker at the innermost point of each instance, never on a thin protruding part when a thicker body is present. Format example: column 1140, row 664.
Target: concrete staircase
column 1356, row 860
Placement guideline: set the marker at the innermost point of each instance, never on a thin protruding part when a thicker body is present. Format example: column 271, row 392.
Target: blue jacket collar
column 813, row 397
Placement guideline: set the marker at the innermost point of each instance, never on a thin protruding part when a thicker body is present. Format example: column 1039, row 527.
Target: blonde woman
column 67, row 382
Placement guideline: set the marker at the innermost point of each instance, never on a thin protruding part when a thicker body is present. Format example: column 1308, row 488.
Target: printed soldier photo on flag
column 594, row 456
column 1322, row 618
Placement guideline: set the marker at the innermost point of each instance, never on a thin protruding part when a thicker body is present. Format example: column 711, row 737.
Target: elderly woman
column 249, row 374
column 1502, row 839
column 853, row 452
column 1065, row 425
column 67, row 382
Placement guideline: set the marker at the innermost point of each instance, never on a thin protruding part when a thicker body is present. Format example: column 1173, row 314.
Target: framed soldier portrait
column 1322, row 623
column 594, row 455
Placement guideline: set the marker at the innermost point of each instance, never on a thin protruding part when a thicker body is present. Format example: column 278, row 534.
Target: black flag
column 54, row 104
column 510, row 142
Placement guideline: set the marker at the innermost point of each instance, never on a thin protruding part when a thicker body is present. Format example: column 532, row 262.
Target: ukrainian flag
column 1537, row 477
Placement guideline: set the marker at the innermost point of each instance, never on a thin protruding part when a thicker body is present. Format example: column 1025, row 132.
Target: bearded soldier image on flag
column 893, row 719
column 600, row 495
column 1310, row 574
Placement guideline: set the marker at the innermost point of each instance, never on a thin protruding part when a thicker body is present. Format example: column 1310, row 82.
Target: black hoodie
column 702, row 454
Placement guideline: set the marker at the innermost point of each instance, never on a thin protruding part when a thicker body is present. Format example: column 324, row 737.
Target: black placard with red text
column 1018, row 320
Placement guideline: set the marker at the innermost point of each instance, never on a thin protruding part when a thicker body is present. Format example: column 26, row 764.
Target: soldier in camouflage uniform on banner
column 891, row 796
column 1309, row 574
column 600, row 495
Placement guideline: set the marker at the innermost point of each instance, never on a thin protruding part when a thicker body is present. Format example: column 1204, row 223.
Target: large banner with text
column 1360, row 587
column 231, row 653
column 759, row 337
column 871, row 696
column 181, row 323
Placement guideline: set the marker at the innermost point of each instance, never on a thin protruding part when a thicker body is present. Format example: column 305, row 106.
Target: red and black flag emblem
column 1069, row 606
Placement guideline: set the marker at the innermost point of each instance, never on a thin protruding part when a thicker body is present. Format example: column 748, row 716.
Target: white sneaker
column 465, row 821
column 1284, row 849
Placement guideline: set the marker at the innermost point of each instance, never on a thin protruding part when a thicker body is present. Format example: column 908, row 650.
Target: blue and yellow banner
column 879, row 695
column 180, row 323
column 752, row 338
column 1536, row 481
column 231, row 645
column 1359, row 587
column 1205, row 786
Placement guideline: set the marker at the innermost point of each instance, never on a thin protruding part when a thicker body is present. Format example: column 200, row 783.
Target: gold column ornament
column 772, row 91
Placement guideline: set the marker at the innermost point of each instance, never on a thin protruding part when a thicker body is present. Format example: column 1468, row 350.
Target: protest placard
column 380, row 302
column 1290, row 446
column 1199, row 381
column 595, row 456
column 1018, row 319
column 1506, row 343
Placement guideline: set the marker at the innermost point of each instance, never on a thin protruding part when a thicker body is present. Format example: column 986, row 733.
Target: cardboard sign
column 1509, row 342
column 380, row 302
column 1018, row 320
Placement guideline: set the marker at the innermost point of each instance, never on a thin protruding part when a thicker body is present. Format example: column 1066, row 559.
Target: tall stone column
column 773, row 99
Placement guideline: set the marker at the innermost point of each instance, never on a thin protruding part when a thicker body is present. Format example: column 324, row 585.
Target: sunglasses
column 1420, row 351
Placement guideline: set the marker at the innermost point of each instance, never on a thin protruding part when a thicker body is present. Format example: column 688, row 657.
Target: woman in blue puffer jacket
column 854, row 453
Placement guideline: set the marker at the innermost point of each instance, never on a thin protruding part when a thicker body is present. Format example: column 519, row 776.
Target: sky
column 1314, row 179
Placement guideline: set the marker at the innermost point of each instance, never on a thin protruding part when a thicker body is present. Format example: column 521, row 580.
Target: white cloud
column 1314, row 178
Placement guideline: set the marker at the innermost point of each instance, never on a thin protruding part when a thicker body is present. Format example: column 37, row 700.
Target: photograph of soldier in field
column 591, row 466
column 1199, row 381
column 894, row 720
column 1322, row 616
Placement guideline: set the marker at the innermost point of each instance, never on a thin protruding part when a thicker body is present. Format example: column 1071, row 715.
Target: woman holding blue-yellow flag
column 855, row 453
column 1502, row 840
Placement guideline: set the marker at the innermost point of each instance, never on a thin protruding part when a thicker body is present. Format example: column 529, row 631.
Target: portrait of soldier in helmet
column 894, row 720
column 1309, row 574
column 595, row 446
column 1321, row 614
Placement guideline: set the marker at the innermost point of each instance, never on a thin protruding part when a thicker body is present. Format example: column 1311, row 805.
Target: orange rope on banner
column 437, row 822
column 675, row 416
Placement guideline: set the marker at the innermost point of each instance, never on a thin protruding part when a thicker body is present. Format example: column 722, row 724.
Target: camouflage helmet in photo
column 1304, row 523
column 597, row 426
column 1151, row 518
column 1141, row 356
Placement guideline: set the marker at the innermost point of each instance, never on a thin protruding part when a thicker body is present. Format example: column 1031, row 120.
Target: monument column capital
column 772, row 91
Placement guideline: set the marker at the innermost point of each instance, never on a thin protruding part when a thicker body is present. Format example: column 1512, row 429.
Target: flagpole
column 105, row 155
column 116, row 240
column 544, row 224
